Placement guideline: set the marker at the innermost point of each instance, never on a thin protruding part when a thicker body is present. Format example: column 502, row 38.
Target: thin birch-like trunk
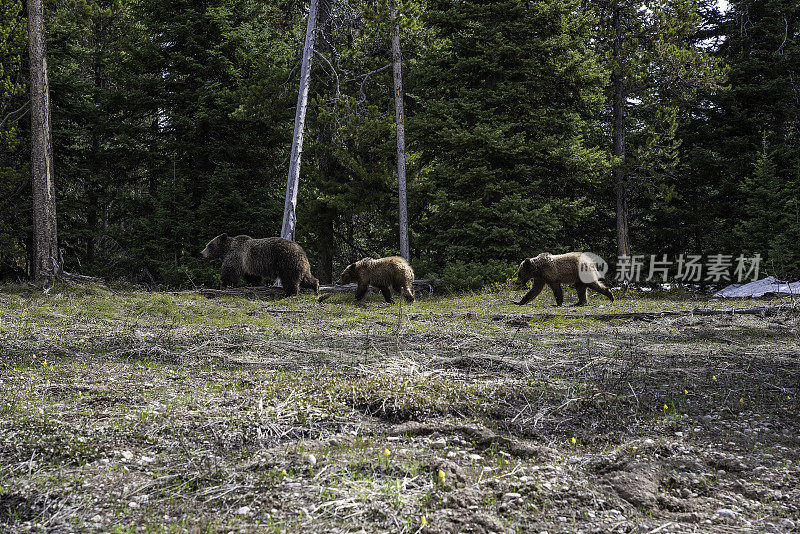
column 401, row 133
column 45, row 263
column 293, row 181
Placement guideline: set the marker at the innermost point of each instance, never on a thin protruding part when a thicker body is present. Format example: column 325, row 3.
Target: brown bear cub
column 554, row 270
column 387, row 274
column 256, row 258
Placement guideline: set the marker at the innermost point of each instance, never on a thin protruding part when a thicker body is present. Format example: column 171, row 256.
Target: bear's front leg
column 580, row 288
column 231, row 271
column 387, row 294
column 557, row 291
column 538, row 285
column 361, row 291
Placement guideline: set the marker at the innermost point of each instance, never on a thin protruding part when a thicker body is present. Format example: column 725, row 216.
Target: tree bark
column 401, row 133
column 45, row 264
column 618, row 132
column 293, row 181
column 327, row 215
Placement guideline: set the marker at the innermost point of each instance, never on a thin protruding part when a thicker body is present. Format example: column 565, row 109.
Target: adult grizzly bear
column 386, row 274
column 255, row 258
column 554, row 270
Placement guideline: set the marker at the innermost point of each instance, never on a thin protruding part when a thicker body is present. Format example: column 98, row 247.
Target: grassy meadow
column 123, row 410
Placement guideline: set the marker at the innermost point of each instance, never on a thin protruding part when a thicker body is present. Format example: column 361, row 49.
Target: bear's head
column 349, row 275
column 533, row 267
column 216, row 248
column 524, row 273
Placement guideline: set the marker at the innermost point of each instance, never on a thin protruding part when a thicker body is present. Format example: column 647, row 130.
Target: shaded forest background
column 172, row 123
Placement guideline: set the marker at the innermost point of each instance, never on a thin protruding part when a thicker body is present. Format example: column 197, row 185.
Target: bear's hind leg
column 558, row 292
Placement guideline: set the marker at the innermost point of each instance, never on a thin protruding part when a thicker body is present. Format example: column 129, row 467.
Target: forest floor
column 124, row 410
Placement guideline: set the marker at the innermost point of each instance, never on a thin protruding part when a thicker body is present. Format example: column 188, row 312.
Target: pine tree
column 657, row 63
column 15, row 216
column 724, row 143
column 506, row 103
column 214, row 166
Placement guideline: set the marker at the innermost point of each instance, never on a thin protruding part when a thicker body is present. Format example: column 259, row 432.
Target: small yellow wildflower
column 283, row 472
column 441, row 476
column 685, row 392
column 666, row 407
column 423, row 521
column 41, row 411
column 387, row 452
column 80, row 393
column 574, row 441
column 33, row 356
column 741, row 399
column 713, row 377
column 788, row 397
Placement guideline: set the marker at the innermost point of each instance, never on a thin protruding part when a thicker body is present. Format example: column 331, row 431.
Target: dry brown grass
column 165, row 412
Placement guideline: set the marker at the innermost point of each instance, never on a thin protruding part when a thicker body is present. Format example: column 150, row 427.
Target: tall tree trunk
column 325, row 237
column 325, row 249
column 293, row 181
column 618, row 132
column 45, row 236
column 401, row 133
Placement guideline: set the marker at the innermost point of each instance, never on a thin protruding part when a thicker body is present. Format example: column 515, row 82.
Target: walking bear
column 387, row 274
column 554, row 270
column 255, row 258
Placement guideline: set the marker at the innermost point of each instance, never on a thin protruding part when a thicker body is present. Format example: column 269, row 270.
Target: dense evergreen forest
column 616, row 126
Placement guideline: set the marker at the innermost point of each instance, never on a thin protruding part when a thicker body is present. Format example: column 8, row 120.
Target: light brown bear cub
column 253, row 259
column 554, row 270
column 386, row 274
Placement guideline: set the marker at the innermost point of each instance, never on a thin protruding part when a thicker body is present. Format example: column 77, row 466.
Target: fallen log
column 417, row 286
column 246, row 292
column 424, row 286
column 762, row 311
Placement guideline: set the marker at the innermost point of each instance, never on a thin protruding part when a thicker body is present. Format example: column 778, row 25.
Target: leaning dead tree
column 45, row 236
column 401, row 132
column 293, row 181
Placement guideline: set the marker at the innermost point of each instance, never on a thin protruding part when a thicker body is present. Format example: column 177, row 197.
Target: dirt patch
column 480, row 437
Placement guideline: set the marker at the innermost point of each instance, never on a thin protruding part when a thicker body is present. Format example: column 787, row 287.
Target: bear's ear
column 224, row 236
column 527, row 262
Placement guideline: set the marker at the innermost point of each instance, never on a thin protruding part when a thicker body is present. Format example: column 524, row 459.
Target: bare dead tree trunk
column 401, row 133
column 45, row 236
column 293, row 181
column 618, row 132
